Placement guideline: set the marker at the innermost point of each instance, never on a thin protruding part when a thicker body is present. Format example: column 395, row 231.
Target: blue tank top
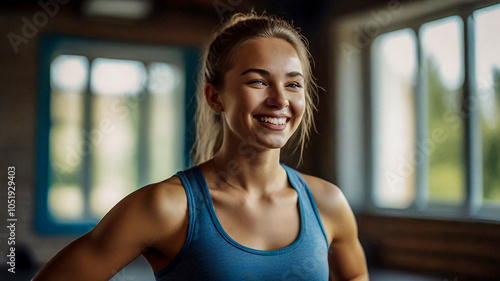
column 209, row 253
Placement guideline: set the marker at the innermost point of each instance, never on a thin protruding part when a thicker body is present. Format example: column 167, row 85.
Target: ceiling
column 306, row 13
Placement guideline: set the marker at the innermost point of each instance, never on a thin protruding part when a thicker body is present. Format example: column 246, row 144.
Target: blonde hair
column 238, row 30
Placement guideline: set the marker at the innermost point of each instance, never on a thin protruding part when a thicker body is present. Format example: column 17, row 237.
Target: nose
column 277, row 98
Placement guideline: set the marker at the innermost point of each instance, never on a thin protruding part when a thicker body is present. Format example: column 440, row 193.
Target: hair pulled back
column 217, row 60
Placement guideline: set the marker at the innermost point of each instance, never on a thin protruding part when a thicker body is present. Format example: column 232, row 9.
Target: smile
column 273, row 120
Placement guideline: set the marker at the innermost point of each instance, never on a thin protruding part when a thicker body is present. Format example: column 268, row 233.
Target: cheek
column 240, row 102
column 299, row 103
column 250, row 100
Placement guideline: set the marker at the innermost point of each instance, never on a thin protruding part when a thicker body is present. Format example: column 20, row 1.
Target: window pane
column 394, row 71
column 443, row 74
column 163, row 79
column 166, row 140
column 487, row 25
column 69, row 73
column 68, row 84
column 117, row 77
column 114, row 136
column 114, row 160
column 66, row 202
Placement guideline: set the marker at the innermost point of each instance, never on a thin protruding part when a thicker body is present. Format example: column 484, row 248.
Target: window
column 431, row 114
column 487, row 81
column 113, row 117
column 394, row 84
column 418, row 109
column 442, row 82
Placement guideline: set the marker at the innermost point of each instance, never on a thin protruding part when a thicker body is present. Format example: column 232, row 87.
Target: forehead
column 272, row 54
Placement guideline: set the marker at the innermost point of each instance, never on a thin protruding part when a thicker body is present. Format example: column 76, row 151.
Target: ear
column 213, row 98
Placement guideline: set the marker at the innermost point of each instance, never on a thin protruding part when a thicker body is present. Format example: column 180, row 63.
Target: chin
column 273, row 144
column 266, row 140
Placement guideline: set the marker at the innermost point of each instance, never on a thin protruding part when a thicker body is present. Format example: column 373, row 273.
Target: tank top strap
column 189, row 182
column 306, row 196
column 192, row 179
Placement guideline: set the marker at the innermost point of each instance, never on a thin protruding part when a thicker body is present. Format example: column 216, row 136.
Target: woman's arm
column 135, row 224
column 346, row 256
column 346, row 253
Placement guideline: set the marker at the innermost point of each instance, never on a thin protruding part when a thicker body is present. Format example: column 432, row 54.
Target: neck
column 246, row 167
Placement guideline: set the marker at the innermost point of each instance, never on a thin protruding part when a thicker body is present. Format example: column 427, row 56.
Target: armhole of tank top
column 299, row 178
column 191, row 213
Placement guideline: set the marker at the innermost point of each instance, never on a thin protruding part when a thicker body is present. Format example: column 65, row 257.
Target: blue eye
column 259, row 82
column 294, row 85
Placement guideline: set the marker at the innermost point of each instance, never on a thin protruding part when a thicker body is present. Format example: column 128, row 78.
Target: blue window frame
column 112, row 116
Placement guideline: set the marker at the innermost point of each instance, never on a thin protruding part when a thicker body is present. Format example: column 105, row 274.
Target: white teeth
column 272, row 120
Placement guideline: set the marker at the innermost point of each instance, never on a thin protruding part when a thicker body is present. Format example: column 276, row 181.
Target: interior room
column 407, row 121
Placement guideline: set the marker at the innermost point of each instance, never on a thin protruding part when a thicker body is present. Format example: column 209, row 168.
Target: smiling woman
column 260, row 91
column 238, row 214
column 238, row 31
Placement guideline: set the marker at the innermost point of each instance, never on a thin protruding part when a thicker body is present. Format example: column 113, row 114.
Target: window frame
column 472, row 207
column 50, row 46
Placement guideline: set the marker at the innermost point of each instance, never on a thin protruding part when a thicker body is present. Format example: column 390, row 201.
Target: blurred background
column 408, row 124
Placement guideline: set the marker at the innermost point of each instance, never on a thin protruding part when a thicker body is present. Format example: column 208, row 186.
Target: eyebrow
column 294, row 73
column 264, row 72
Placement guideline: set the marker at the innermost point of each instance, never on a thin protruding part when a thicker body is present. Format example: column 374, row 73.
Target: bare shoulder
column 158, row 198
column 166, row 202
column 139, row 222
column 327, row 196
column 347, row 257
column 165, row 194
column 154, row 211
column 335, row 212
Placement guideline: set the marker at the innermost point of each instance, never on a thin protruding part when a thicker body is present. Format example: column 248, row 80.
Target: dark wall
column 18, row 92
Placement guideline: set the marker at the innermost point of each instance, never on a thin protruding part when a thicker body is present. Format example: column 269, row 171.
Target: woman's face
column 263, row 97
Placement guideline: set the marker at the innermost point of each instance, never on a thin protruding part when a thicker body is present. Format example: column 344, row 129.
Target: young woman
column 238, row 214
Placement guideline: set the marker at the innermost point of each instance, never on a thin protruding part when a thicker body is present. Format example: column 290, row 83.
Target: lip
column 272, row 126
column 273, row 116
